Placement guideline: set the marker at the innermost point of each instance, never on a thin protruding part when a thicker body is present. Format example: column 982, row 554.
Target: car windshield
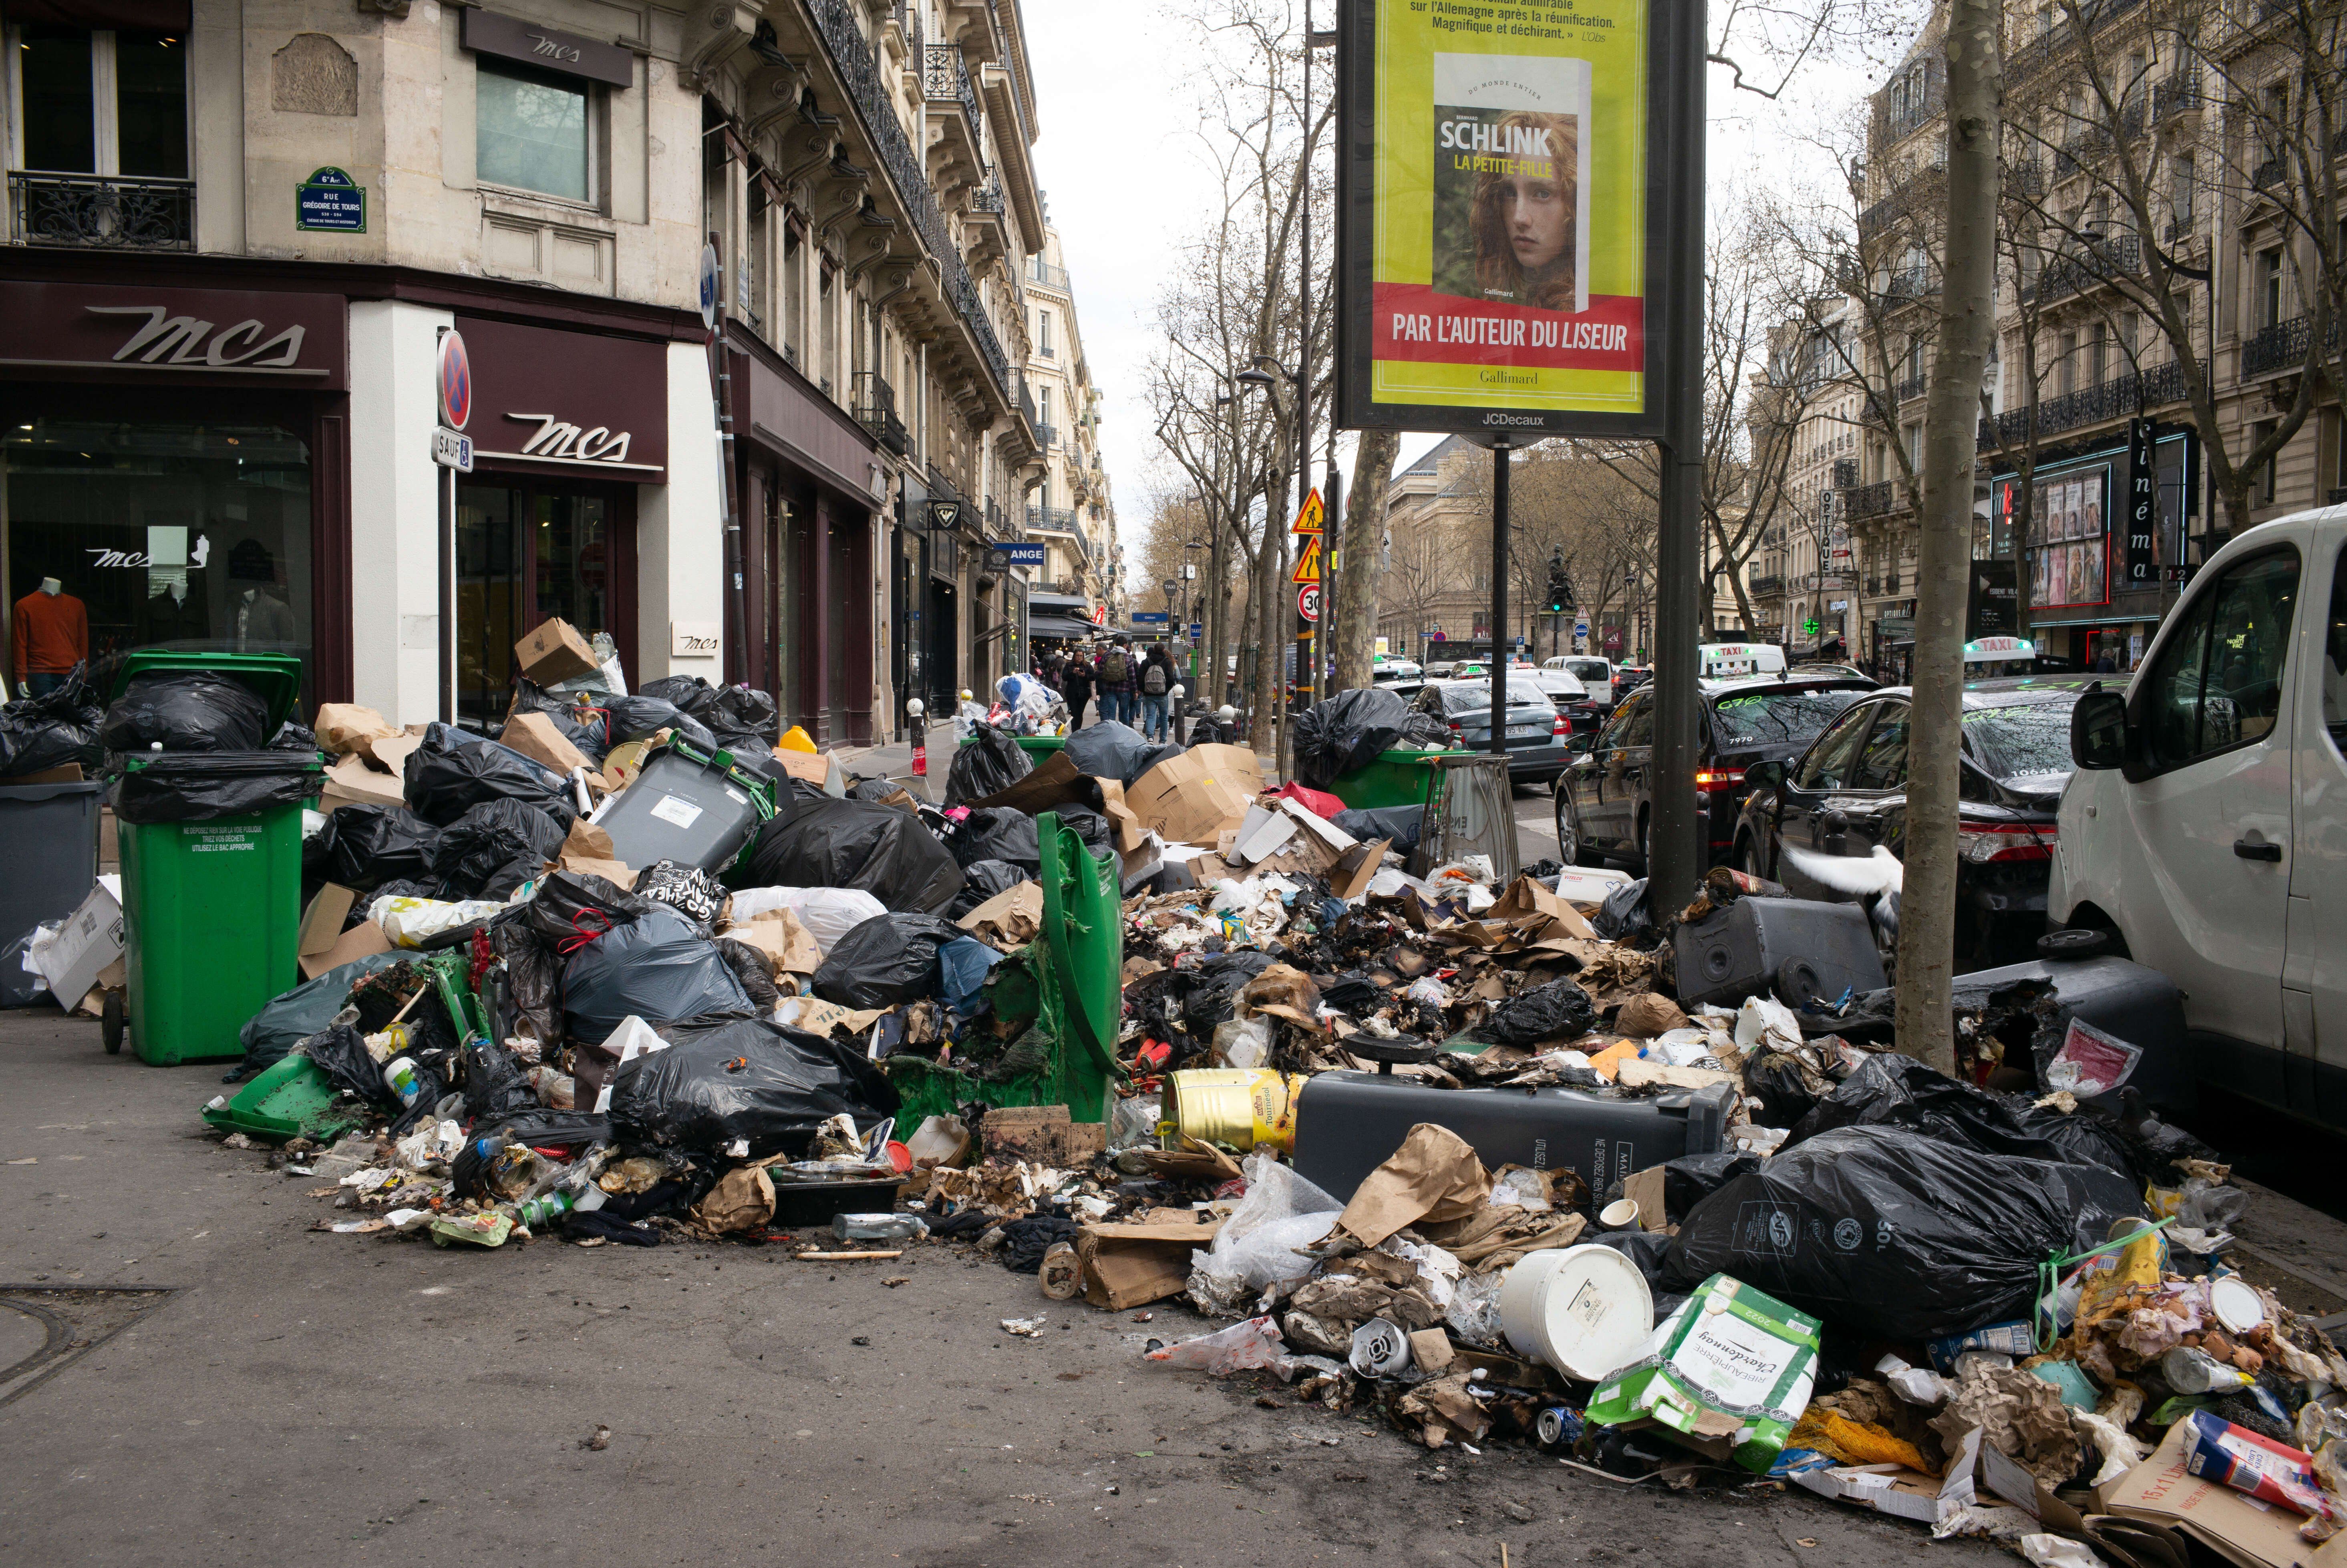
column 1473, row 696
column 2022, row 738
column 1777, row 718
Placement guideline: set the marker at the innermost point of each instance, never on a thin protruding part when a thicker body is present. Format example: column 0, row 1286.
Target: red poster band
column 1411, row 321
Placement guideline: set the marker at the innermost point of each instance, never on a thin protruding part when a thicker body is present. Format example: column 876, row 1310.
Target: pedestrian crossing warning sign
column 1310, row 517
column 1307, row 566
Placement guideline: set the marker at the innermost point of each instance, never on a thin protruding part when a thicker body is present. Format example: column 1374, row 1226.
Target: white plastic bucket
column 1584, row 1311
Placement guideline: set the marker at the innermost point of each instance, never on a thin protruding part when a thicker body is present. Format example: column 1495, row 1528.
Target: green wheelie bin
column 211, row 869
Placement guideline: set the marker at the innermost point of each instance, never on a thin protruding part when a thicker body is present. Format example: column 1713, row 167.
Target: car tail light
column 1982, row 842
column 1711, row 781
column 1563, row 726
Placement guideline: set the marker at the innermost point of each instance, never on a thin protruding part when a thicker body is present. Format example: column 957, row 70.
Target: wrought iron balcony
column 2269, row 174
column 1047, row 436
column 2282, row 346
column 989, row 198
column 103, row 212
column 1766, row 586
column 876, row 410
column 1045, row 275
column 2074, row 272
column 945, row 81
column 2118, row 398
column 1876, row 501
column 2177, row 95
column 1912, row 387
column 1845, row 474
column 1909, row 284
column 1052, row 520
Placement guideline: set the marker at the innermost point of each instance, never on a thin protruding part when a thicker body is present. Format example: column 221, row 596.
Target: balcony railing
column 1909, row 284
column 2269, row 173
column 1048, row 276
column 1766, row 587
column 2176, row 96
column 1845, row 475
column 836, row 19
column 876, row 410
column 944, row 80
column 1876, row 501
column 1047, row 436
column 2282, row 346
column 2074, row 272
column 103, row 212
column 1051, row 520
column 1912, row 387
column 989, row 198
column 2117, row 398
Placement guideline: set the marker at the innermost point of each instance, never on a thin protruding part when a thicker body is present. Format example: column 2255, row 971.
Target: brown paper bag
column 1434, row 1176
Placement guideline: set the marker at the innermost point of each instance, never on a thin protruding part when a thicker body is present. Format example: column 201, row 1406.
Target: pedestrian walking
column 1119, row 680
column 1157, row 679
column 1076, row 686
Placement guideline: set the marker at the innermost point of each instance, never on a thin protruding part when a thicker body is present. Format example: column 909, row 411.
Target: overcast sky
column 1119, row 162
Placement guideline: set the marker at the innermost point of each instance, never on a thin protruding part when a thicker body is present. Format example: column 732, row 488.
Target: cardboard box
column 538, row 738
column 1191, row 798
column 555, row 652
column 1897, row 1490
column 363, row 940
column 2160, row 1491
column 778, row 934
column 89, row 939
column 815, row 767
column 322, row 922
column 1134, row 1264
column 343, row 728
column 390, row 752
column 351, row 782
column 1044, row 1135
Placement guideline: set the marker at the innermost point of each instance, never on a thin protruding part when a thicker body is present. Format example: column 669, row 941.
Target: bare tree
column 1364, row 529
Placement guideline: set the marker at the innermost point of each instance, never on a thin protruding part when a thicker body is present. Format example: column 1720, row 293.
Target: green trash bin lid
column 274, row 678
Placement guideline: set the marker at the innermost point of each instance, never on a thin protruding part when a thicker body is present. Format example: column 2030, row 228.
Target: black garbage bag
column 1024, row 1242
column 1894, row 1234
column 366, row 847
column 494, row 848
column 997, row 833
column 496, row 1085
column 1691, row 1178
column 738, row 714
column 363, row 907
column 660, row 966
column 1115, row 751
column 887, row 960
column 635, row 718
column 1778, row 1082
column 533, row 979
column 589, row 734
column 294, row 736
column 745, row 1080
column 186, row 711
column 208, row 786
column 1188, row 1002
column 990, row 763
column 981, row 880
column 1557, row 1011
column 1650, row 1250
column 38, row 733
column 688, row 888
column 1345, row 734
column 453, row 771
column 750, row 967
column 572, row 908
column 886, row 850
column 1089, row 826
column 298, row 1014
column 1892, row 1089
column 874, row 790
column 677, row 691
column 1401, row 823
column 341, row 1052
column 1623, row 913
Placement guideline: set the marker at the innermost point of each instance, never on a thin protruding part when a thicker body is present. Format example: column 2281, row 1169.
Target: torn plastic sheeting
column 827, row 914
column 1255, row 1252
column 887, row 960
column 722, row 1085
column 963, row 965
column 1254, row 1345
column 882, row 850
column 1890, row 1232
column 296, row 1015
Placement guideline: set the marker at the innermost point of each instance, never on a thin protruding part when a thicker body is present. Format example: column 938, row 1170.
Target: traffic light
column 1560, row 589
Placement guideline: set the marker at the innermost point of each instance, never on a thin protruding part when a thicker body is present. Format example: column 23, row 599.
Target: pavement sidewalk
column 896, row 760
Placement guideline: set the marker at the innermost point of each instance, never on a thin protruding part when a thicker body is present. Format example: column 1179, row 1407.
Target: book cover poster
column 1511, row 179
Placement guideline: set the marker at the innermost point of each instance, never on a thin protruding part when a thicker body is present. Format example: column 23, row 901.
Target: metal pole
column 447, row 596
column 1304, row 368
column 1335, row 498
column 1500, row 455
column 1676, row 859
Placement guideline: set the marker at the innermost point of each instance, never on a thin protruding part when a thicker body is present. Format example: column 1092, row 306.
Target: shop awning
column 1057, row 626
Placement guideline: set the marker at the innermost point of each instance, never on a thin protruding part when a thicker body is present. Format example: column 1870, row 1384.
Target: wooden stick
column 410, row 1002
column 844, row 1256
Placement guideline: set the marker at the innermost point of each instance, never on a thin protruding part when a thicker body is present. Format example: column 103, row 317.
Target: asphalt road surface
column 229, row 1387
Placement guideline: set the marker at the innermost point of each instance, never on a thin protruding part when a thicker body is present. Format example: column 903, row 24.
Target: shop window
column 102, row 102
column 171, row 535
column 532, row 132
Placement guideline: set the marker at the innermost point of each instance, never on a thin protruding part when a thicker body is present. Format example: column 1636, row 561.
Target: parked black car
column 1537, row 733
column 1832, row 823
column 1603, row 800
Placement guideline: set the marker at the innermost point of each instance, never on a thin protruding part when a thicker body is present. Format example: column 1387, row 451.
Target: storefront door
column 529, row 551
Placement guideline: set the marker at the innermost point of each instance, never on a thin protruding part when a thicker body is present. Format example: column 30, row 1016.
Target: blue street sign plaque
column 1017, row 553
column 1149, row 618
column 330, row 199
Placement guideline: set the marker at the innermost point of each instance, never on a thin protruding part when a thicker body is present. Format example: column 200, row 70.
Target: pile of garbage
column 1485, row 1148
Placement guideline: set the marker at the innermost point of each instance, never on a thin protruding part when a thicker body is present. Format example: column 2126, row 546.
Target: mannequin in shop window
column 262, row 621
column 52, row 636
column 174, row 613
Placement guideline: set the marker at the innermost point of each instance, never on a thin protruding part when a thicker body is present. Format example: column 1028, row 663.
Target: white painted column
column 396, row 627
column 681, row 535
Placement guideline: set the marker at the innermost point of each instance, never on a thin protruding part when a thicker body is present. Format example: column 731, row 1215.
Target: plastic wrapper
column 213, row 786
column 1557, row 1011
column 1623, row 915
column 341, row 1052
column 1345, row 734
column 963, row 966
column 687, row 888
column 658, row 967
column 635, row 718
column 38, row 733
column 413, row 922
column 1892, row 1090
column 890, row 958
column 294, row 1017
column 494, row 848
column 744, row 1088
column 453, row 771
column 1115, row 751
column 1889, row 1233
column 981, row 880
column 186, row 711
column 572, row 908
column 1255, row 1253
column 364, row 847
column 827, row 913
column 1252, row 1345
column 990, row 764
column 884, row 850
column 997, row 833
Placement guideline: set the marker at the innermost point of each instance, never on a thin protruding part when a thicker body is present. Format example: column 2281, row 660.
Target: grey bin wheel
column 110, row 1023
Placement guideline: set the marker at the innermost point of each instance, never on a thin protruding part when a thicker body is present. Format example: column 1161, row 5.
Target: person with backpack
column 1157, row 679
column 1076, row 686
column 1118, row 680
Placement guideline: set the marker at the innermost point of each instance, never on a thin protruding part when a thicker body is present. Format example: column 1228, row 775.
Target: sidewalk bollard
column 916, row 708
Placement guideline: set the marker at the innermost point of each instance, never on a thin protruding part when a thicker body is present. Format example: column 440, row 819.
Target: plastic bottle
column 399, row 1077
column 538, row 1212
column 878, row 1227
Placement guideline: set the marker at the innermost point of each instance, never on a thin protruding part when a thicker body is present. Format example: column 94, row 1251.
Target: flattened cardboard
column 1900, row 1492
column 1527, row 903
column 1644, row 1188
column 819, row 768
column 363, row 940
column 553, row 652
column 1190, row 798
column 2162, row 1491
column 1129, row 832
column 390, row 752
column 536, row 737
column 1014, row 916
column 1043, row 1134
column 351, row 782
column 68, row 773
column 1054, row 783
column 589, row 852
column 1357, row 867
column 786, row 944
column 322, row 922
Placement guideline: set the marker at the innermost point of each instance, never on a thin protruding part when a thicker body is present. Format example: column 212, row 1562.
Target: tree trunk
column 1927, row 924
column 1260, row 733
column 1365, row 526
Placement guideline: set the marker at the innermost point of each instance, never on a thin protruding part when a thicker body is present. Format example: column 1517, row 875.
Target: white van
column 2206, row 826
column 1727, row 660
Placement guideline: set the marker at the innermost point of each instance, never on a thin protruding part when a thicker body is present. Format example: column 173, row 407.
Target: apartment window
column 1046, row 405
column 2182, row 179
column 2270, row 288
column 2131, row 334
column 828, row 308
column 102, row 102
column 2065, row 375
column 2099, row 356
column 1043, row 330
column 531, row 132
